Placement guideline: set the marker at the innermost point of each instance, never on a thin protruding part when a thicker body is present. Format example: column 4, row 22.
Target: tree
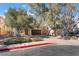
column 17, row 19
column 49, row 14
column 68, row 11
column 53, row 16
column 39, row 10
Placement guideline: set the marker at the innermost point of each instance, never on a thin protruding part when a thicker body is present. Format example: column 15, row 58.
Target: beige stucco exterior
column 3, row 28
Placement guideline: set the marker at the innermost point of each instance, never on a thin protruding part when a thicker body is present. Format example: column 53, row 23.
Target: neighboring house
column 4, row 30
column 39, row 31
column 3, row 27
column 76, row 24
column 76, row 27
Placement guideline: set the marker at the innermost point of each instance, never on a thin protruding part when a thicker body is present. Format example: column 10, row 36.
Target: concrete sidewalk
column 61, row 41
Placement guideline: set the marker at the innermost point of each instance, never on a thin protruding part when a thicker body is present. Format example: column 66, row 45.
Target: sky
column 5, row 6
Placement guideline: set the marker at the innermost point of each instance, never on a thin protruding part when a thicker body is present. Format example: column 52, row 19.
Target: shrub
column 37, row 39
column 16, row 41
column 10, row 41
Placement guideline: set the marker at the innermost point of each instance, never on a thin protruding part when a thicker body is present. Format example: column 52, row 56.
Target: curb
column 23, row 46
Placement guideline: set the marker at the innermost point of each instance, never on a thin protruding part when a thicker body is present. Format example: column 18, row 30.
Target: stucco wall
column 3, row 27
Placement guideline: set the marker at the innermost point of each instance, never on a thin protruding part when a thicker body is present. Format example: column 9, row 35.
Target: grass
column 37, row 39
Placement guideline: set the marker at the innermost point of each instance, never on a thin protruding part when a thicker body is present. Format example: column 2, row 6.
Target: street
column 48, row 50
column 60, row 48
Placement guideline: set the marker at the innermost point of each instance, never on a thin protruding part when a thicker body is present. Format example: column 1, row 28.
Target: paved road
column 61, row 48
column 48, row 50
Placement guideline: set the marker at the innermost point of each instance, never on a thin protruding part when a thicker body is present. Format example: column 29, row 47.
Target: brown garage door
column 36, row 32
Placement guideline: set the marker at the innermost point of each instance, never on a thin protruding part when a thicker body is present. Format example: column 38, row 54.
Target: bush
column 37, row 39
column 22, row 40
column 10, row 41
column 16, row 41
